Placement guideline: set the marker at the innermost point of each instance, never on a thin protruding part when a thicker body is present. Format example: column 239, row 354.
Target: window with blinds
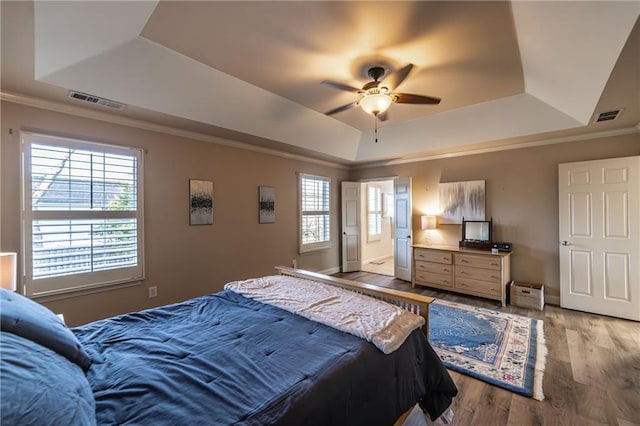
column 374, row 213
column 314, row 194
column 82, row 214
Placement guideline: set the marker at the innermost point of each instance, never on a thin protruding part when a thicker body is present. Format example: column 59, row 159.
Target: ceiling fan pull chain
column 375, row 118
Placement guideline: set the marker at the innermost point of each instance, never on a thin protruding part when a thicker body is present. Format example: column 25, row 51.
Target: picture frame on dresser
column 477, row 234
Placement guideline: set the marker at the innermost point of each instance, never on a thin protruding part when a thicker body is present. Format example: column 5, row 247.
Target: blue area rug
column 502, row 349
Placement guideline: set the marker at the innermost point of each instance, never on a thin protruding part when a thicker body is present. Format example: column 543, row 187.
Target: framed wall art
column 200, row 202
column 266, row 204
column 461, row 199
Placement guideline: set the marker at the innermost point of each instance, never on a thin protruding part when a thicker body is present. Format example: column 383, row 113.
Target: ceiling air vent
column 96, row 100
column 609, row 115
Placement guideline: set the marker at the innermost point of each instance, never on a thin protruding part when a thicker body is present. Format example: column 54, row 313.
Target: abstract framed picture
column 266, row 204
column 200, row 202
column 461, row 199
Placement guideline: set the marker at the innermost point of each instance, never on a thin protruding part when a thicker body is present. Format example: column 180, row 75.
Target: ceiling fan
column 377, row 96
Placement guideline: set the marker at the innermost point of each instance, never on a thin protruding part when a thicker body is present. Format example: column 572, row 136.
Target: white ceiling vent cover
column 609, row 115
column 96, row 100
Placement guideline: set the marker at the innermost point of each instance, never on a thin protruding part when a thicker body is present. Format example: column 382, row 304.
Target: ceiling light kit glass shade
column 375, row 102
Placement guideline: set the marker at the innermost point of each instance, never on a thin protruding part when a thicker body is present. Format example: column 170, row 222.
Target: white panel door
column 599, row 208
column 351, row 249
column 403, row 230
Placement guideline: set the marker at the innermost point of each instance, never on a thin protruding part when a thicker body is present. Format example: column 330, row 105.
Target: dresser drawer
column 439, row 280
column 478, row 274
column 432, row 256
column 486, row 262
column 492, row 289
column 437, row 268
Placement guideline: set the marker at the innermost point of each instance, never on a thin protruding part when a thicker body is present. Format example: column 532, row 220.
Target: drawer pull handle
column 494, row 264
column 463, row 260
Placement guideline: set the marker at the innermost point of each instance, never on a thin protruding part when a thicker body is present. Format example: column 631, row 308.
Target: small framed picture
column 266, row 204
column 200, row 202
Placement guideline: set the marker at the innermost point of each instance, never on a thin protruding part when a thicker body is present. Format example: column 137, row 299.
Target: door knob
column 564, row 243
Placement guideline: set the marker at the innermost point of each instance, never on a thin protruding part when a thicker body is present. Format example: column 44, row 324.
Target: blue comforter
column 225, row 359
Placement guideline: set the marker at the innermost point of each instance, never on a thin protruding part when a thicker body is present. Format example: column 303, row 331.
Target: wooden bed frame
column 412, row 302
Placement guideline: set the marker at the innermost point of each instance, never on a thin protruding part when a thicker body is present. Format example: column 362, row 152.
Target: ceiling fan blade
column 394, row 79
column 341, row 108
column 340, row 86
column 407, row 98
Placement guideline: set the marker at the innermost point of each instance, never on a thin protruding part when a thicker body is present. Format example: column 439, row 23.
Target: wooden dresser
column 475, row 272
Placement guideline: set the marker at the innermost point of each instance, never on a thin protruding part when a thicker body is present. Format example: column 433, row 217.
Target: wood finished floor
column 592, row 374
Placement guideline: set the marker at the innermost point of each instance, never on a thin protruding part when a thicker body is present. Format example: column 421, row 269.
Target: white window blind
column 82, row 210
column 314, row 194
column 374, row 213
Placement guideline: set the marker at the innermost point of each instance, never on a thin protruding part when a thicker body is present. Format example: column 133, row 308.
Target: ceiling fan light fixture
column 375, row 103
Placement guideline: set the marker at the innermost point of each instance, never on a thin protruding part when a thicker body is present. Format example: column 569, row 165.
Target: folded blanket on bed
column 385, row 325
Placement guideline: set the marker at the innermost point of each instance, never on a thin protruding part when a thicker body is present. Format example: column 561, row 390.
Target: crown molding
column 146, row 125
column 540, row 142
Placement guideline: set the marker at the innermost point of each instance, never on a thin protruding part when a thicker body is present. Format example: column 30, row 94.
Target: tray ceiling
column 506, row 72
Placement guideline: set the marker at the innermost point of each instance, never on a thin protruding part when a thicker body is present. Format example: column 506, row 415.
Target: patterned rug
column 502, row 349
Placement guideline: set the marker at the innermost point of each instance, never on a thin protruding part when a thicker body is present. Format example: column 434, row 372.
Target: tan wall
column 522, row 198
column 185, row 261
column 182, row 261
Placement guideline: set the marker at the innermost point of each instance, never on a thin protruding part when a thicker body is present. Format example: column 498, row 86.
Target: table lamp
column 8, row 269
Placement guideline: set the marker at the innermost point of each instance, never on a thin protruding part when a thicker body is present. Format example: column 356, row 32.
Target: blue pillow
column 26, row 318
column 40, row 387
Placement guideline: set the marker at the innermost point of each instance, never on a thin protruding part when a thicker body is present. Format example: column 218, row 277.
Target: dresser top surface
column 459, row 249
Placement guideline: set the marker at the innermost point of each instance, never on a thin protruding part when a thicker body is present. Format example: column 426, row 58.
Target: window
column 374, row 213
column 82, row 214
column 314, row 194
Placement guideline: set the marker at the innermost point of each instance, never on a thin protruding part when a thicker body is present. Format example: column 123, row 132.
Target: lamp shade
column 375, row 103
column 428, row 222
column 8, row 269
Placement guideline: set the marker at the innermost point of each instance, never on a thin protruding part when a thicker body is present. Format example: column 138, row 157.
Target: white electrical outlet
column 294, row 263
column 153, row 291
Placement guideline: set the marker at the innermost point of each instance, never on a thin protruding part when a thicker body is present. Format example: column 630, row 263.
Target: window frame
column 86, row 281
column 376, row 212
column 321, row 245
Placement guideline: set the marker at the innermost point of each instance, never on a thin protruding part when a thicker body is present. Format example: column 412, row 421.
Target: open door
column 403, row 230
column 351, row 249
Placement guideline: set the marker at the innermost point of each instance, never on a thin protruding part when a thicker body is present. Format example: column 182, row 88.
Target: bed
column 225, row 358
